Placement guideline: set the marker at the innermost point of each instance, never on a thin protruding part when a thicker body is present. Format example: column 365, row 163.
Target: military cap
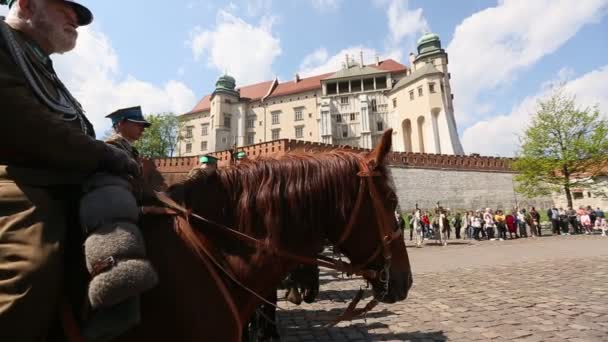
column 85, row 16
column 208, row 159
column 132, row 114
column 240, row 155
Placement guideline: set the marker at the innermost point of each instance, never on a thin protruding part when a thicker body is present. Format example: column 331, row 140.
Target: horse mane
column 298, row 191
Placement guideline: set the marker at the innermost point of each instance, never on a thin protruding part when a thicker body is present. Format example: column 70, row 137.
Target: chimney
column 297, row 78
column 377, row 60
column 412, row 58
column 347, row 62
column 361, row 59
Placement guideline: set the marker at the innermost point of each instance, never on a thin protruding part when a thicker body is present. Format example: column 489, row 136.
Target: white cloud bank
column 92, row 74
column 237, row 47
column 491, row 47
column 499, row 135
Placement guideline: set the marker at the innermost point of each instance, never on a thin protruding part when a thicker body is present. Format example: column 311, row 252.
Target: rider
column 48, row 149
column 207, row 162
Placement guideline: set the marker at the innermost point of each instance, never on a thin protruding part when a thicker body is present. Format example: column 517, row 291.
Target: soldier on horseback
column 48, row 150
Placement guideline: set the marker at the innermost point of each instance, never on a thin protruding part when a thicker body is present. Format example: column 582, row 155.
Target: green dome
column 427, row 37
column 429, row 43
column 226, row 82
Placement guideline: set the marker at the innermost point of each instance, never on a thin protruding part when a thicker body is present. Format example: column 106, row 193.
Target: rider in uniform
column 47, row 149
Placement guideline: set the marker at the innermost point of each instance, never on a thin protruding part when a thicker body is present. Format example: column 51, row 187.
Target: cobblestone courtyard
column 543, row 289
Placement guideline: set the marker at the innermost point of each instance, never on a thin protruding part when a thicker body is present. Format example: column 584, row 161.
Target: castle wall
column 456, row 181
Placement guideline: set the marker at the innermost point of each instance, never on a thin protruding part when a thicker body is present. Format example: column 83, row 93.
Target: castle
column 352, row 106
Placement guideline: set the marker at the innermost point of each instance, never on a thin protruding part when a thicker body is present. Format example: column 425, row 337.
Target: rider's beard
column 60, row 38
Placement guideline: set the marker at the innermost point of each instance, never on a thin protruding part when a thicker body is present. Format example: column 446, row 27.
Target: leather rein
column 387, row 236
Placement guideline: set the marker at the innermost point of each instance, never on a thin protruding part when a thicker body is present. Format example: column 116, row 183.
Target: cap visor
column 143, row 122
column 85, row 16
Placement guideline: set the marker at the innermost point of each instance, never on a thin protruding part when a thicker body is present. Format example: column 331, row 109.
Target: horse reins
column 387, row 236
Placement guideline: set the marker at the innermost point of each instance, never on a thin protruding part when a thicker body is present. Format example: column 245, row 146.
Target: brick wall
column 458, row 182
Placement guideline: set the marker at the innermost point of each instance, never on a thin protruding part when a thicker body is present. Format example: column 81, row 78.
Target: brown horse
column 293, row 203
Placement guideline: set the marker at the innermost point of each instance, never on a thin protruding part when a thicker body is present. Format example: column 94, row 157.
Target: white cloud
column 243, row 50
column 258, row 7
column 326, row 5
column 491, row 46
column 403, row 22
column 92, row 74
column 319, row 61
column 499, row 135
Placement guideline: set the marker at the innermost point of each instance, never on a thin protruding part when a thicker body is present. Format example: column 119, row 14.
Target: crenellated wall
column 456, row 181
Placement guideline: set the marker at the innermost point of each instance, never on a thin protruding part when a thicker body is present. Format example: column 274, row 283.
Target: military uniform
column 47, row 148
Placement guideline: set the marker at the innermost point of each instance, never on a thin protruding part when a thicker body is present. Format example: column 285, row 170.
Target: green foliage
column 562, row 141
column 160, row 139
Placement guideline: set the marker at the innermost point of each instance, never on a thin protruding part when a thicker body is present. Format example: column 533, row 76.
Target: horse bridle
column 368, row 171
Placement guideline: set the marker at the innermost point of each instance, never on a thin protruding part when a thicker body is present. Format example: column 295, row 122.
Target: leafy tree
column 563, row 142
column 160, row 139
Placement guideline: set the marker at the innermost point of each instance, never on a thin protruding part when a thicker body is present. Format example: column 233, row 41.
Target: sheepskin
column 120, row 240
column 109, row 213
column 106, row 205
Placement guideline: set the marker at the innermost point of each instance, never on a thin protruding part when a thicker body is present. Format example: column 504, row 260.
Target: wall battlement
column 396, row 159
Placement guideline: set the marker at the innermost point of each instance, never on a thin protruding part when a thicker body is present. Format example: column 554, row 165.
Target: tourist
column 476, row 224
column 572, row 220
column 457, row 222
column 585, row 221
column 563, row 221
column 488, row 220
column 499, row 220
column 535, row 220
column 511, row 220
column 553, row 215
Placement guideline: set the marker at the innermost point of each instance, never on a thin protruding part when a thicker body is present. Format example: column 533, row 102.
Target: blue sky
column 503, row 54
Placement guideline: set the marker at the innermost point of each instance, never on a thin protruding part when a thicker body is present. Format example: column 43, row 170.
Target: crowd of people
column 498, row 224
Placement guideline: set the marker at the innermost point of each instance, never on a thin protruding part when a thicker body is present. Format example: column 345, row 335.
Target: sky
column 504, row 55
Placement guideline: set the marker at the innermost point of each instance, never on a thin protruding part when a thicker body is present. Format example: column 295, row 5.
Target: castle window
column 300, row 132
column 188, row 147
column 344, row 131
column 227, row 120
column 189, row 131
column 380, row 126
column 353, row 116
column 227, row 101
column 431, row 87
column 250, row 138
column 275, row 134
column 338, row 118
column 394, row 103
column 275, row 117
column 577, row 195
column 343, row 87
column 332, row 88
column 251, row 123
column 204, row 129
column 374, row 105
column 419, row 91
column 203, row 146
column 344, row 100
column 381, row 82
column 411, row 94
column 368, row 84
column 298, row 114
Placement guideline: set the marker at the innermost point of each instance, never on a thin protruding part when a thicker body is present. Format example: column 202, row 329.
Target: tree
column 160, row 139
column 563, row 142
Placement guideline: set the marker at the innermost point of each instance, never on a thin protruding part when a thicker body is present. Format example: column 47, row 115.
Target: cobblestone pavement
column 542, row 289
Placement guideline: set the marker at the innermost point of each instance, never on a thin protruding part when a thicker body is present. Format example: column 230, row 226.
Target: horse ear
column 383, row 148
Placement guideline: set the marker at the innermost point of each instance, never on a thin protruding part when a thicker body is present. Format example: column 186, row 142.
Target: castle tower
column 422, row 108
column 227, row 116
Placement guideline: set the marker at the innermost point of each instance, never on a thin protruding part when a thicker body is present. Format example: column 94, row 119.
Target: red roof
column 391, row 65
column 304, row 84
column 259, row 90
column 202, row 105
column 256, row 91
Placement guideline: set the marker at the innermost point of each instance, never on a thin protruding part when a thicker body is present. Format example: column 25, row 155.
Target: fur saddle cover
column 114, row 248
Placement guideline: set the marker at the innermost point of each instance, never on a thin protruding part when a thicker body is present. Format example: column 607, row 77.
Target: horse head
column 371, row 239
